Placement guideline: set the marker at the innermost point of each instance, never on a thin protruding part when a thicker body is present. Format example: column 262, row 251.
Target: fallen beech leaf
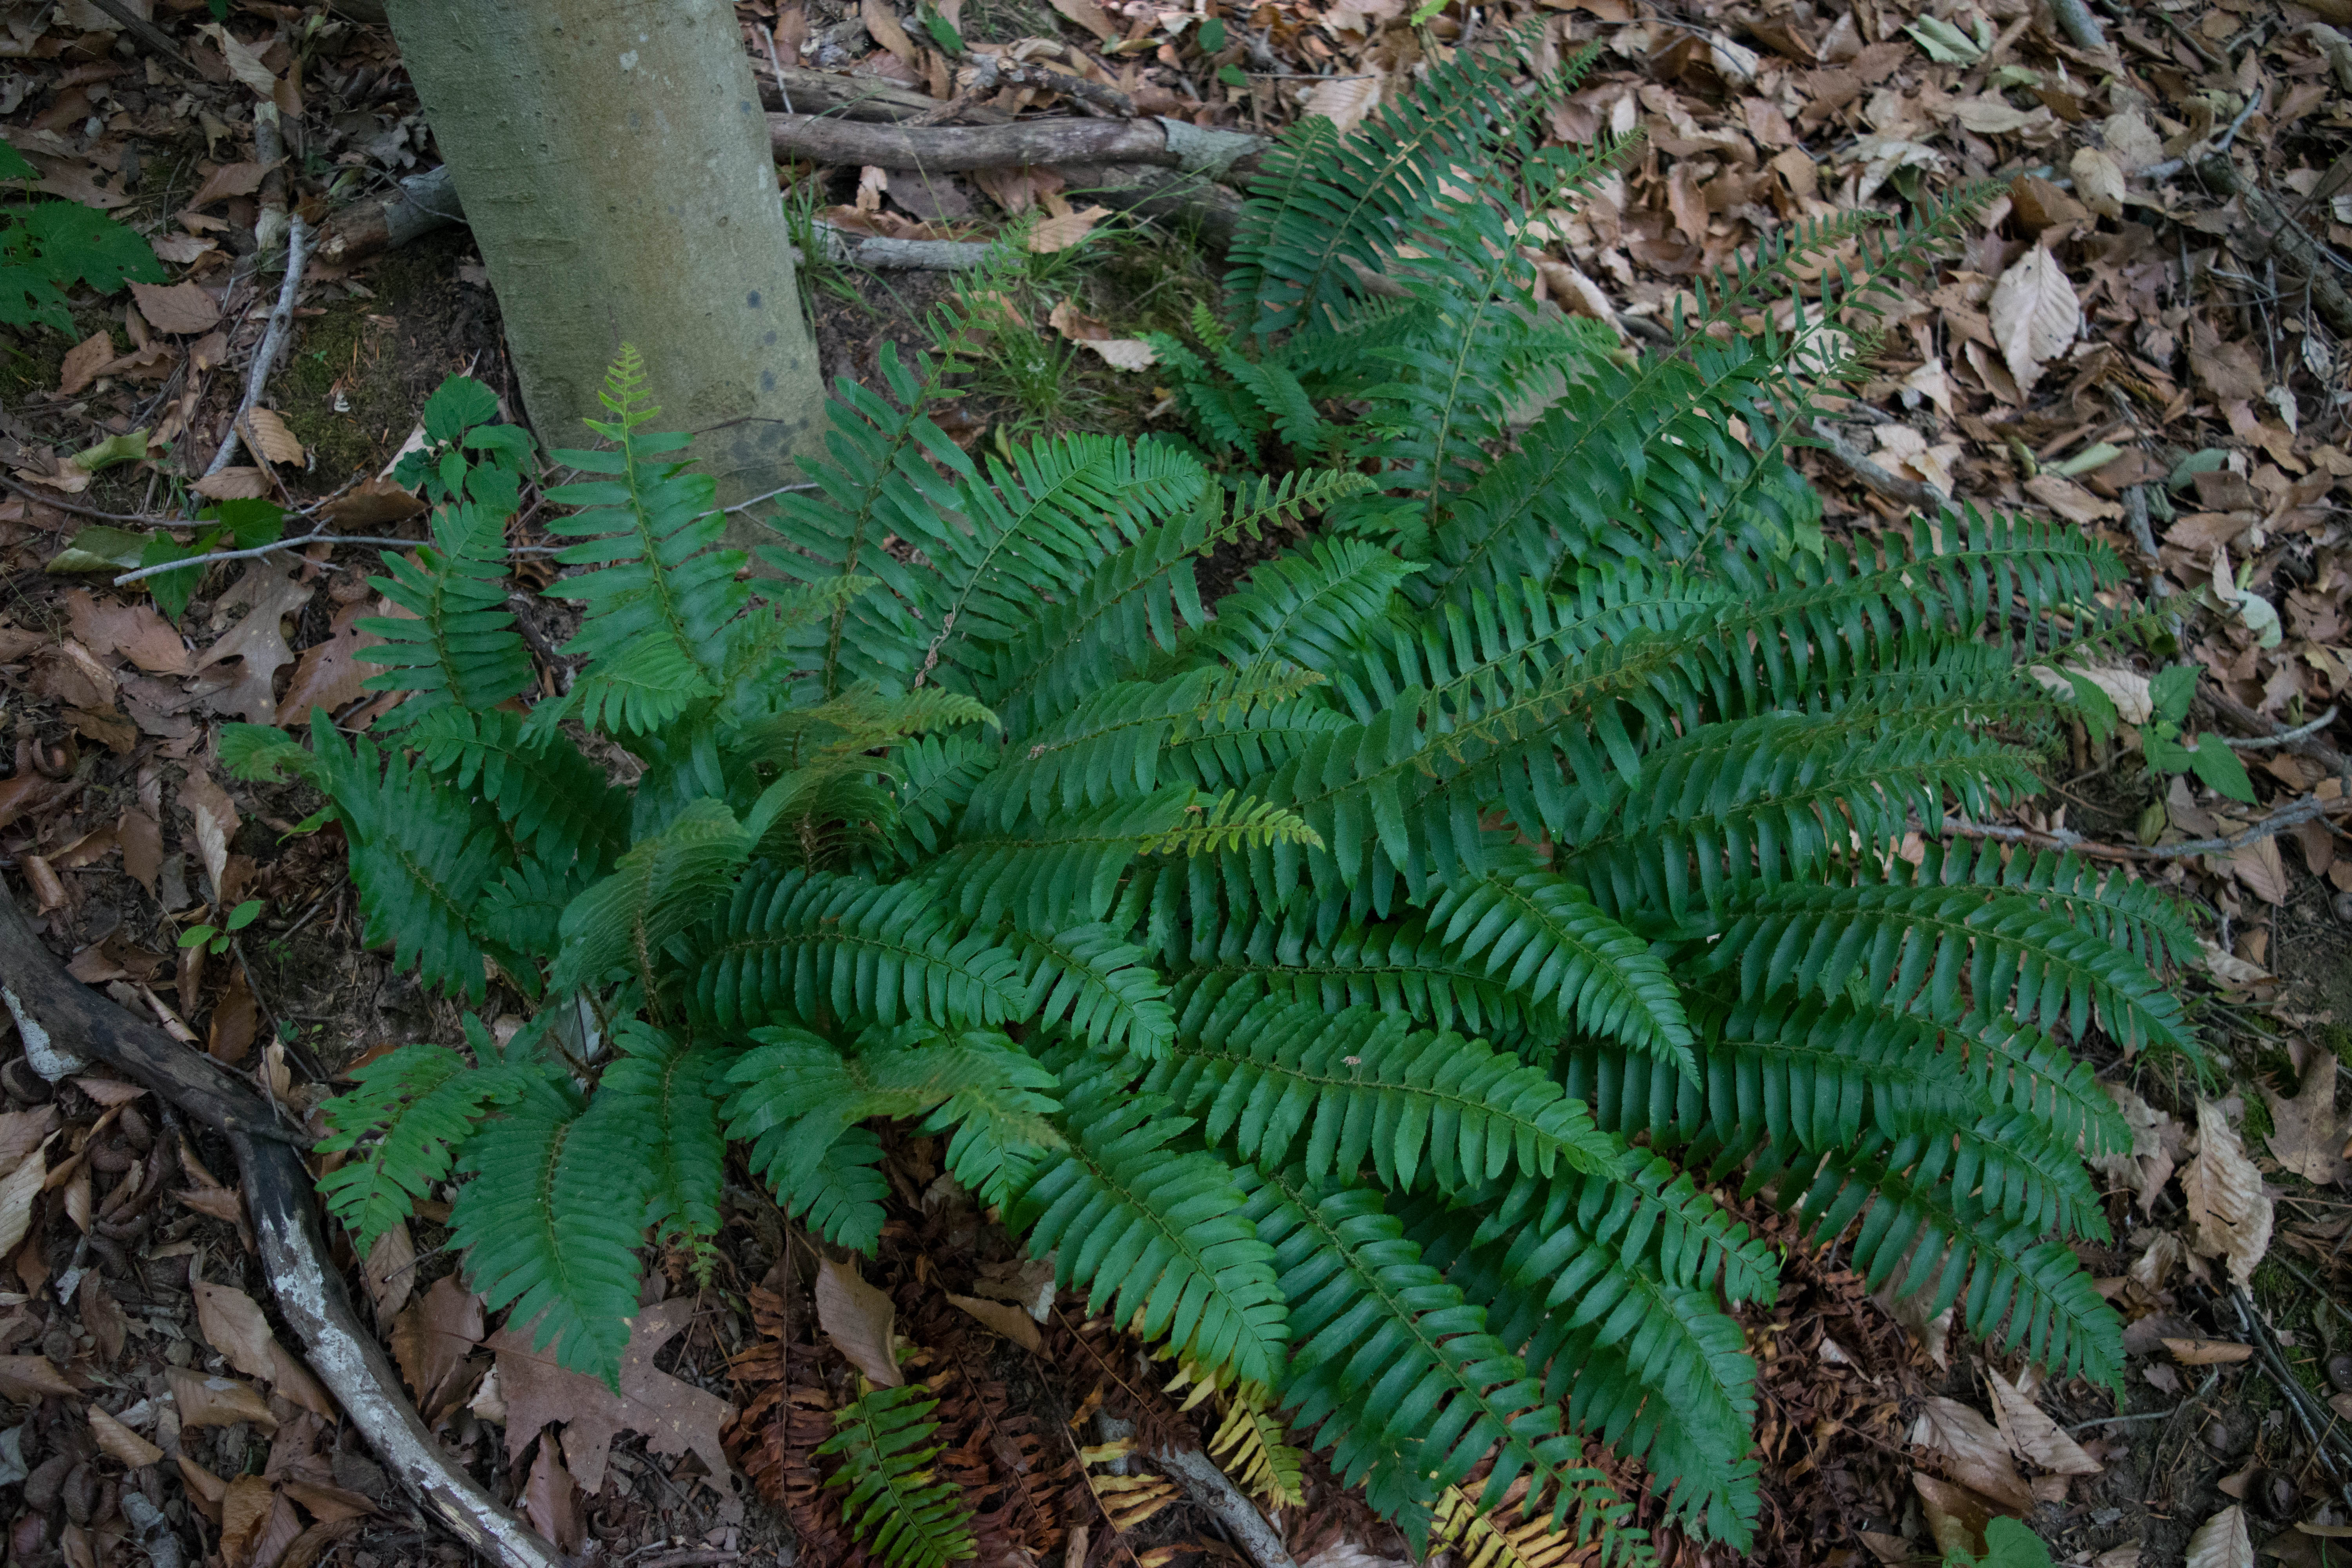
column 390, row 1273
column 1061, row 233
column 2071, row 500
column 82, row 363
column 329, row 674
column 2229, row 1212
column 307, row 1548
column 26, row 1378
column 2035, row 313
column 235, row 1020
column 204, row 1485
column 2099, row 181
column 2222, row 1542
column 431, row 1342
column 229, row 179
column 857, row 1318
column 272, row 440
column 551, row 1501
column 216, row 1401
column 1973, row 1451
column 181, row 309
column 1956, row 1517
column 103, row 1316
column 246, row 1509
column 1090, row 17
column 244, row 61
column 108, row 1092
column 119, row 1442
column 2033, row 1435
column 1345, row 101
column 216, row 817
column 17, row 1194
column 2308, row 1136
column 2208, row 1353
column 232, row 1324
column 883, row 23
column 2260, row 866
column 368, row 508
column 329, row 1504
column 2158, row 1143
column 21, row 1132
column 676, row 1417
column 1004, row 1318
column 233, row 484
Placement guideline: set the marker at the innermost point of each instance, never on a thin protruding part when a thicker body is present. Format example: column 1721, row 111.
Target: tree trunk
column 613, row 161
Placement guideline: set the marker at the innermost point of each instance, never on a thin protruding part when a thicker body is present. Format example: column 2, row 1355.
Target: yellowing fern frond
column 1251, row 1445
column 1484, row 1538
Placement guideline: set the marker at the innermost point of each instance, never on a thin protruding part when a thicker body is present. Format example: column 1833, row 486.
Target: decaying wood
column 417, row 205
column 309, row 1290
column 1163, row 143
column 792, row 89
column 2270, row 230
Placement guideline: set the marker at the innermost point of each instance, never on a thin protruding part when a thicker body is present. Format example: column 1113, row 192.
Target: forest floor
column 2146, row 334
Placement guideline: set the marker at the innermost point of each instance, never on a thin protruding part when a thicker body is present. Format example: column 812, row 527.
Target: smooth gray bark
column 613, row 161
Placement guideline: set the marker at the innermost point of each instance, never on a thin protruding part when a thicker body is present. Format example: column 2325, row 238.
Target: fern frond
column 841, row 1200
column 455, row 644
column 907, row 1516
column 1363, row 1088
column 552, row 1220
column 668, row 1092
column 1089, row 982
column 417, row 1105
column 1230, row 823
column 547, row 792
column 818, row 947
column 664, row 592
column 1156, row 1234
column 1251, row 1442
column 1485, row 1537
column 660, row 887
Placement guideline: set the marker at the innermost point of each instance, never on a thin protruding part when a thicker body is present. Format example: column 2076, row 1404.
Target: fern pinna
column 1363, row 983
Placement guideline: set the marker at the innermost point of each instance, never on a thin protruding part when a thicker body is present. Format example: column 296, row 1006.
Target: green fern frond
column 1362, row 1088
column 552, row 1220
column 549, row 794
column 457, row 645
column 1156, row 1234
column 1089, row 982
column 841, row 1200
column 414, row 1107
column 1231, row 823
column 660, row 887
column 659, row 603
column 908, row 1517
column 667, row 1090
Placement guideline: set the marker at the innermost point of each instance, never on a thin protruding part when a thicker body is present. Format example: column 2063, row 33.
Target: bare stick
column 1210, row 1487
column 1893, row 487
column 281, row 318
column 2081, row 27
column 44, row 499
column 2284, row 737
column 307, row 1289
column 146, row 32
column 2294, row 813
column 942, row 149
column 260, row 550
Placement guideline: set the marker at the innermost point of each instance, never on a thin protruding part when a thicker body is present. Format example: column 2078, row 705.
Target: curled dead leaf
column 1004, row 1318
column 2230, row 1212
column 857, row 1318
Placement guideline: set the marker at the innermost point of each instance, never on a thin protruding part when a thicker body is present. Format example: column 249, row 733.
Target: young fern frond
column 414, row 1107
column 458, row 647
column 884, row 1440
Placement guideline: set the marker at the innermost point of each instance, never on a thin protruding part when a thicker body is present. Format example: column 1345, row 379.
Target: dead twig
column 2284, row 737
column 1878, row 480
column 273, row 337
column 2274, row 231
column 2294, row 813
column 74, row 508
column 146, row 32
column 260, row 550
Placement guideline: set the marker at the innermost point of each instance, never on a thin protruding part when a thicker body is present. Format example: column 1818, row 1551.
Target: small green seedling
column 2161, row 737
column 2008, row 1544
column 216, row 939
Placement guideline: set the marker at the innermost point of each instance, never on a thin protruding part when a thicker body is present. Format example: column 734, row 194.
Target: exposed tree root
column 308, row 1287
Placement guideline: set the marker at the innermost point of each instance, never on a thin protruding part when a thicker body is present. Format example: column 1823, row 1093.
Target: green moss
column 343, row 352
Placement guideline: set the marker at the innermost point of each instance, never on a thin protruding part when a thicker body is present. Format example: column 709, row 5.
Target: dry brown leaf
column 103, row 1316
column 390, row 1272
column 231, row 1322
column 216, row 817
column 1122, row 353
column 1956, row 1517
column 329, row 674
column 1090, row 17
column 271, row 440
column 1004, row 1318
column 1345, row 101
column 2222, row 1542
column 216, row 1401
column 2071, row 500
column 138, row 632
column 882, row 21
column 432, row 1340
column 235, row 1020
column 21, row 1132
column 1973, row 1451
column 83, row 361
column 2158, row 1143
column 676, row 1417
column 369, row 508
column 857, row 1318
column 233, row 484
column 181, row 309
column 2259, row 866
column 2228, row 1211
column 258, row 640
column 2033, row 1435
column 229, row 179
column 2035, row 313
column 244, row 61
column 329, row 1504
column 2308, row 1136
column 2098, row 181
column 1061, row 233
column 245, row 1507
column 551, row 1501
column 119, row 1442
column 25, row 1379
column 2228, row 368
column 17, row 1194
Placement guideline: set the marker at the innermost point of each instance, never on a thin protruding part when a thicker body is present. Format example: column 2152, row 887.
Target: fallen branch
column 1165, row 143
column 880, row 254
column 273, row 336
column 46, row 497
column 2275, row 231
column 1879, row 481
column 2082, row 28
column 143, row 573
column 798, row 90
column 309, row 1291
column 417, row 205
column 146, row 32
column 2295, row 741
column 1210, row 1487
column 2294, row 813
column 2284, row 737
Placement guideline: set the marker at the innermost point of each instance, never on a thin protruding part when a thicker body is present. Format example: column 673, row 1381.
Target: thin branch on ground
column 2284, row 737
column 2294, row 813
column 1878, row 480
column 260, row 550
column 273, row 337
column 44, row 499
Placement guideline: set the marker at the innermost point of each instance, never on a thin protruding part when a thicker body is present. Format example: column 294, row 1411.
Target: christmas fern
column 1369, row 985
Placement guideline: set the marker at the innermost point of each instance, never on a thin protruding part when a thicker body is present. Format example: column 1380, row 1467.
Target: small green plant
column 47, row 248
column 215, row 940
column 2008, row 1544
column 2163, row 743
column 241, row 525
column 1356, row 988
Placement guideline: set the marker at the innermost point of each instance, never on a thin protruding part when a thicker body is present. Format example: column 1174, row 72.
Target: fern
column 1363, row 984
column 907, row 1516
